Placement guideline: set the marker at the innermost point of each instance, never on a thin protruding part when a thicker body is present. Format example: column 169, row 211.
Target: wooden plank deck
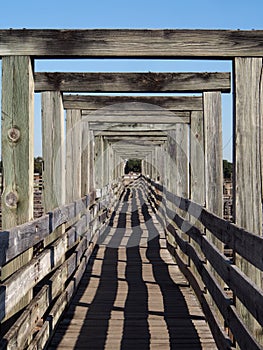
column 133, row 296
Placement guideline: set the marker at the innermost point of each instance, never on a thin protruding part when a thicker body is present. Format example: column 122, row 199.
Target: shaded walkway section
column 133, row 295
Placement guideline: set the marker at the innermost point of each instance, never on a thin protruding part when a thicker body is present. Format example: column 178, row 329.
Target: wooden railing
column 54, row 272
column 248, row 246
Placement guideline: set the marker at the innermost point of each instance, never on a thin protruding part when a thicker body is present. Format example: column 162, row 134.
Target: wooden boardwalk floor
column 133, row 295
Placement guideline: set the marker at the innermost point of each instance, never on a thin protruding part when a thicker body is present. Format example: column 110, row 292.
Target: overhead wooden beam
column 123, row 142
column 137, row 134
column 104, row 128
column 135, row 138
column 132, row 82
column 146, row 116
column 129, row 43
column 120, row 103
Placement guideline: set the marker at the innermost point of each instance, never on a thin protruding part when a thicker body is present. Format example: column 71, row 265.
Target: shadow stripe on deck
column 133, row 295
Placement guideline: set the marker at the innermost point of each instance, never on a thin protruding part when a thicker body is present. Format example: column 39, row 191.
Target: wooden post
column 17, row 140
column 53, row 145
column 247, row 194
column 98, row 161
column 213, row 152
column 17, row 154
column 197, row 173
column 85, row 157
column 73, row 155
column 213, row 168
column 91, row 161
column 197, row 158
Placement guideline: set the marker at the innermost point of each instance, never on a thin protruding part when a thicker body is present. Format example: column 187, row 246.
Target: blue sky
column 181, row 14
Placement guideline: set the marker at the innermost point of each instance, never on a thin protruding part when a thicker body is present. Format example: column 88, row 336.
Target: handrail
column 56, row 269
column 236, row 238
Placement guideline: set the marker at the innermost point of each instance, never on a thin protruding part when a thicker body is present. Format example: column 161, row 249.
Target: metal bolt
column 13, row 134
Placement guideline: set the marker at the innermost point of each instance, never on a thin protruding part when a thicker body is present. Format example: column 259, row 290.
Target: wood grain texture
column 132, row 82
column 137, row 116
column 213, row 152
column 73, row 155
column 247, row 161
column 133, row 103
column 144, row 43
column 17, row 140
column 53, row 144
column 101, row 128
column 133, row 296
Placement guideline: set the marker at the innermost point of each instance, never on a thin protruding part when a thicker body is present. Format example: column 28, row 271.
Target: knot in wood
column 11, row 199
column 13, row 134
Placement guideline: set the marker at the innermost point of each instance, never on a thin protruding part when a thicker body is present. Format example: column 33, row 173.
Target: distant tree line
column 227, row 169
column 133, row 165
column 38, row 165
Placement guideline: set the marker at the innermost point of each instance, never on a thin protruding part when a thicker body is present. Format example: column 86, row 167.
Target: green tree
column 227, row 169
column 38, row 165
column 134, row 165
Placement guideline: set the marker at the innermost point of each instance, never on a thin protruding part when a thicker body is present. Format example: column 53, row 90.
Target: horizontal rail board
column 20, row 238
column 245, row 243
column 240, row 331
column 141, row 43
column 132, row 82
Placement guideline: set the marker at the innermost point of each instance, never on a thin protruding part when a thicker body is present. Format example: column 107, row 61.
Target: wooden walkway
column 133, row 295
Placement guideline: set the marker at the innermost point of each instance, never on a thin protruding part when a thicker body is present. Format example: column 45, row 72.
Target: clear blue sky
column 181, row 14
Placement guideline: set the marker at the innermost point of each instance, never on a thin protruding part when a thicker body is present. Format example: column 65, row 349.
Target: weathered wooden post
column 247, row 186
column 17, row 140
column 213, row 166
column 197, row 173
column 98, row 161
column 73, row 155
column 53, row 148
column 85, row 157
column 17, row 153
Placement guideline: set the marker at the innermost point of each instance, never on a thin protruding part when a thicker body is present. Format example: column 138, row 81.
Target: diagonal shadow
column 134, row 332
column 179, row 323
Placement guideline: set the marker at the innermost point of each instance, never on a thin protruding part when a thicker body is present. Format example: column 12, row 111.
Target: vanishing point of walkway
column 132, row 295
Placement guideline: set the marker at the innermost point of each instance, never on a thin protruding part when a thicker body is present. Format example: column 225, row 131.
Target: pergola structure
column 189, row 163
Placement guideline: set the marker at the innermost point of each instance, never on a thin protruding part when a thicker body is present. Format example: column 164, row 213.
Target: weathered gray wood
column 132, row 82
column 145, row 43
column 85, row 158
column 157, row 116
column 213, row 165
column 132, row 134
column 247, row 162
column 98, row 162
column 213, row 152
column 242, row 241
column 197, row 171
column 197, row 158
column 91, row 161
column 17, row 286
column 20, row 238
column 236, row 324
column 73, row 155
column 53, row 145
column 104, row 128
column 17, row 140
column 131, row 103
